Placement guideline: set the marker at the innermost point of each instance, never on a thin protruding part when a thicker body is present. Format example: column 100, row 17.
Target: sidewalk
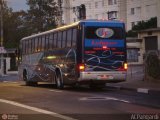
column 136, row 82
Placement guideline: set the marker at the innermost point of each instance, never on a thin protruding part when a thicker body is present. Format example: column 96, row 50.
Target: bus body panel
column 104, row 59
column 43, row 65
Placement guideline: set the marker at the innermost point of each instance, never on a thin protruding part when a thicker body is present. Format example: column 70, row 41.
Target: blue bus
column 91, row 52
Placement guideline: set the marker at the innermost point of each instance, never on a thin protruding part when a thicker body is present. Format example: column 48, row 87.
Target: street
column 79, row 103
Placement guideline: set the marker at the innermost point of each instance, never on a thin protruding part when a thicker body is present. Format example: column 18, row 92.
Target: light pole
column 1, row 40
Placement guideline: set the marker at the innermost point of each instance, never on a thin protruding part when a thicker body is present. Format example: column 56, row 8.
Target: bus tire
column 59, row 82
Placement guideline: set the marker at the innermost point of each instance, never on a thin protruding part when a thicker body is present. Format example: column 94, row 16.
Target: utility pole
column 1, row 40
column 60, row 12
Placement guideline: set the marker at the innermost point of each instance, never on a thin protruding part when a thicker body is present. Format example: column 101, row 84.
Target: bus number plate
column 104, row 77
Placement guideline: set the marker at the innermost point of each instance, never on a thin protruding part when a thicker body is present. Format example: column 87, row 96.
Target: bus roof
column 73, row 25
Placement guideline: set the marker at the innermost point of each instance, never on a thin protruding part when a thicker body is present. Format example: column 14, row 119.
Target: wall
column 144, row 34
column 158, row 12
column 143, row 10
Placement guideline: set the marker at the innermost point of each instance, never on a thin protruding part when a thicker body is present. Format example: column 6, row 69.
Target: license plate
column 104, row 77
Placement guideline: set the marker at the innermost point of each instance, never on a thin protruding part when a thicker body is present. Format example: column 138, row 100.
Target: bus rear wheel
column 59, row 82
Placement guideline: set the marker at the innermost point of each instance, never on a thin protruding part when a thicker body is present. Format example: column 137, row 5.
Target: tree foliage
column 13, row 27
column 142, row 25
column 153, row 65
column 40, row 17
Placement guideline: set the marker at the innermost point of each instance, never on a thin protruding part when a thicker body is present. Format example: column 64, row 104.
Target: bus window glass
column 26, row 47
column 43, row 43
column 104, row 33
column 22, row 42
column 59, row 39
column 64, row 39
column 33, row 45
column 36, row 44
column 74, row 37
column 51, row 41
column 55, row 40
column 47, row 42
column 29, row 45
column 39, row 43
column 69, row 37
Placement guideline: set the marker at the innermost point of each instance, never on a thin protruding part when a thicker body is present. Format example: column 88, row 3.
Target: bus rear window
column 104, row 33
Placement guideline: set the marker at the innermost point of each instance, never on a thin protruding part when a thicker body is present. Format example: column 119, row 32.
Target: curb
column 138, row 90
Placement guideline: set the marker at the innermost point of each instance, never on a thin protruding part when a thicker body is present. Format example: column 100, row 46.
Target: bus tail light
column 125, row 66
column 81, row 67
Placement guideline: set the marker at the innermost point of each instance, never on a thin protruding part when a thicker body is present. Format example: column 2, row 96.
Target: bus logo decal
column 104, row 32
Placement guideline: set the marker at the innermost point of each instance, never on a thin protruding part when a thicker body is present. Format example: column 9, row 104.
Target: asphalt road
column 45, row 101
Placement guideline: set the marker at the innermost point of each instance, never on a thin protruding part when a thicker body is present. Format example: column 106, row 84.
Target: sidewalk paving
column 137, row 82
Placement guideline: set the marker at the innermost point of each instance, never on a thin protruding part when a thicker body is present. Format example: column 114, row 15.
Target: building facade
column 95, row 9
column 138, row 10
column 129, row 11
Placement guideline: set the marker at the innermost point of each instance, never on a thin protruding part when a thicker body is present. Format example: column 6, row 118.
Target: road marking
column 55, row 90
column 103, row 98
column 37, row 109
column 142, row 90
column 5, row 81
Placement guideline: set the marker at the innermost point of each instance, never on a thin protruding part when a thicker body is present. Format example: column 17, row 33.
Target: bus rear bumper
column 107, row 77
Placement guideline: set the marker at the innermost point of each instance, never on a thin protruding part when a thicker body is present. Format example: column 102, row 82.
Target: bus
column 90, row 52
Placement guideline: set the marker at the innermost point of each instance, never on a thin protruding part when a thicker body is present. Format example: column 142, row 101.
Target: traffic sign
column 2, row 50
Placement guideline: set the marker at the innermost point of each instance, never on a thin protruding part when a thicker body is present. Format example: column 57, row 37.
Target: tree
column 13, row 27
column 42, row 15
column 151, row 23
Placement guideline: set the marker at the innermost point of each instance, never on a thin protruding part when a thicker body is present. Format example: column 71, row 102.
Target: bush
column 153, row 66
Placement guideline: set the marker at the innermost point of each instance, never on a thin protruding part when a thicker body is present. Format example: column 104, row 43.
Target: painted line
column 15, row 82
column 6, row 81
column 37, row 109
column 102, row 98
column 10, row 82
column 142, row 90
column 55, row 91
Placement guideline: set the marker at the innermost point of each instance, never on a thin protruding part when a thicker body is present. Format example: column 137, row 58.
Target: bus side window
column 33, row 45
column 69, row 37
column 51, row 40
column 47, row 41
column 74, row 37
column 55, row 40
column 39, row 43
column 59, row 39
column 43, row 43
column 36, row 44
column 64, row 39
column 27, row 46
column 23, row 47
